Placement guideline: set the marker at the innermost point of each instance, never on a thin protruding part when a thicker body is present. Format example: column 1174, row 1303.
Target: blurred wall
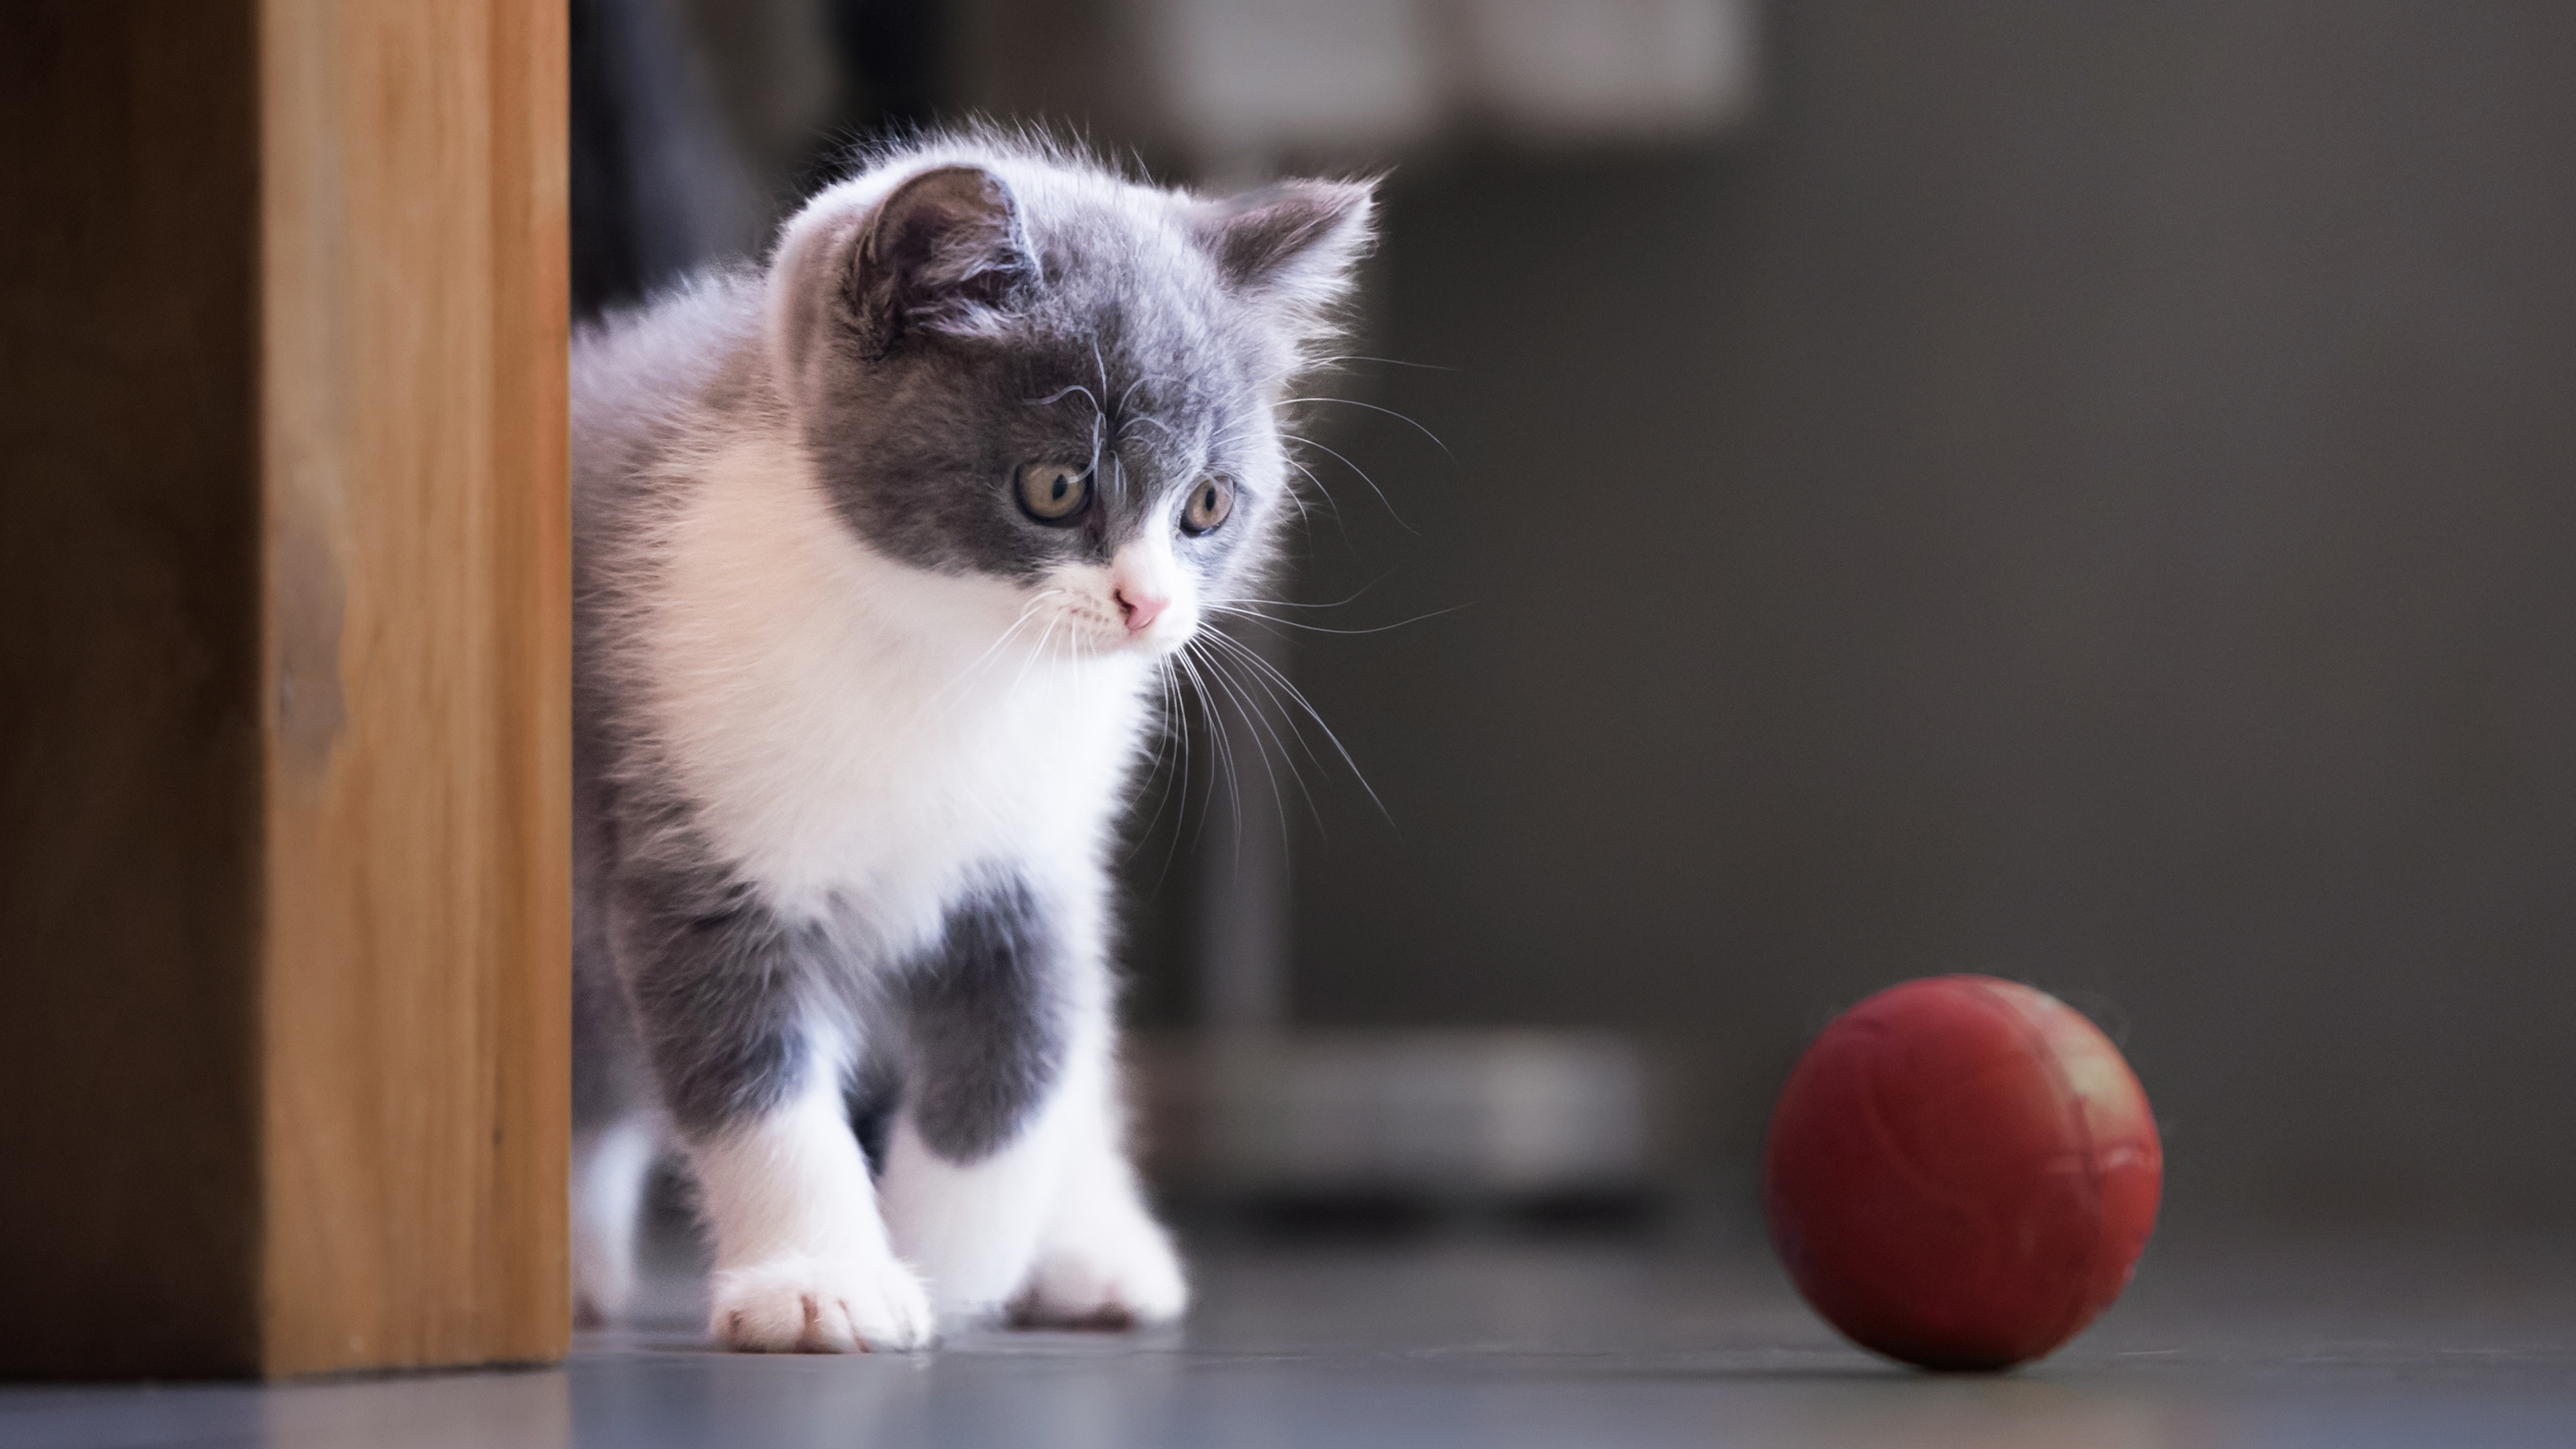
column 2075, row 492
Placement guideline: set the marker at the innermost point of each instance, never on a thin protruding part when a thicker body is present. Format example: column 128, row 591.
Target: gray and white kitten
column 879, row 552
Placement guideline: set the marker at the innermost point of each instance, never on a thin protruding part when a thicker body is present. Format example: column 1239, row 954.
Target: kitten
column 880, row 551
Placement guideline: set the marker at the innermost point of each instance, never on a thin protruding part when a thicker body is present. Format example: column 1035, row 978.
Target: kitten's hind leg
column 970, row 1228
column 1102, row 1260
column 1004, row 1157
column 990, row 1019
column 611, row 1163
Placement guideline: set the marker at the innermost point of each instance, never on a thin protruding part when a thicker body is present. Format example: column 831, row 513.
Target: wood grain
column 416, row 1078
column 284, row 686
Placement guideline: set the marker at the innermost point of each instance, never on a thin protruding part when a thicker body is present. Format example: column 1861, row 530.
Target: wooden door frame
column 284, row 1073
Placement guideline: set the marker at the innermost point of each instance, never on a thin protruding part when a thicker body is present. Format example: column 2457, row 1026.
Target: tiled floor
column 2334, row 1344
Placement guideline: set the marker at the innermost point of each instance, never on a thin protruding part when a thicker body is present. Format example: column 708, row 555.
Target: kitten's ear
column 1292, row 244
column 944, row 252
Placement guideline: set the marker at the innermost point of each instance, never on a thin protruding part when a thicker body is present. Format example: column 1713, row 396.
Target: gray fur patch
column 721, row 985
column 984, row 1019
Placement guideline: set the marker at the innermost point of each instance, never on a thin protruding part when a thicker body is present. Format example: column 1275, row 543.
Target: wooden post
column 284, row 701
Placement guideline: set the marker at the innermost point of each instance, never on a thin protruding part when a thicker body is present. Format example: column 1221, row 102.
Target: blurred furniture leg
column 284, row 662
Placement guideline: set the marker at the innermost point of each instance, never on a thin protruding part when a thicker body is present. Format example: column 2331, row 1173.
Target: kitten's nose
column 1140, row 609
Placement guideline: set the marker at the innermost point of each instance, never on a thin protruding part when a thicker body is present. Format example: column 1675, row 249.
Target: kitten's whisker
column 1345, row 599
column 1183, row 692
column 1331, row 505
column 1216, row 752
column 1254, row 620
column 1295, row 731
column 1327, row 493
column 1163, row 742
column 1364, row 477
column 1389, row 361
column 1153, row 771
column 1062, row 394
column 1322, row 629
column 1294, row 693
column 1022, row 677
column 1176, row 720
column 1244, row 709
column 1027, row 612
column 1309, row 366
column 1055, row 660
column 1225, row 750
column 1390, row 412
column 1162, row 712
column 1259, row 719
column 1239, row 427
column 1187, row 690
column 1221, row 749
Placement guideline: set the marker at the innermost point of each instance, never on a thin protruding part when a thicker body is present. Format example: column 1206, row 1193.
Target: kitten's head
column 1015, row 366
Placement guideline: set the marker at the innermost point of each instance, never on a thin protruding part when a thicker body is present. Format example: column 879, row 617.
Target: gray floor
column 1498, row 1341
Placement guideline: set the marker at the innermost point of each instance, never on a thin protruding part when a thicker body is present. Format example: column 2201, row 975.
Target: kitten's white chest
column 856, row 735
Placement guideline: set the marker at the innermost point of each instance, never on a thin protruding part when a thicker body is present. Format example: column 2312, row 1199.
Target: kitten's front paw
column 1118, row 1274
column 820, row 1305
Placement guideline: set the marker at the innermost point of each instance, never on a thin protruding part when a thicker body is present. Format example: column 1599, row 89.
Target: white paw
column 820, row 1305
column 1117, row 1274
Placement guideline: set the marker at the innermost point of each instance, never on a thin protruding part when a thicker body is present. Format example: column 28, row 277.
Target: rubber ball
column 1961, row 1173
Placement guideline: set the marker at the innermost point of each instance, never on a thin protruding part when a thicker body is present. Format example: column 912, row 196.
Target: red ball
column 1961, row 1173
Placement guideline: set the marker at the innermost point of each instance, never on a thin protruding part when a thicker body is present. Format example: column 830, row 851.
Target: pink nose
column 1139, row 608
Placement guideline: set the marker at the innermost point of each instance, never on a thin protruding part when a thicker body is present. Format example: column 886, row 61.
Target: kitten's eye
column 1209, row 504
column 1054, row 492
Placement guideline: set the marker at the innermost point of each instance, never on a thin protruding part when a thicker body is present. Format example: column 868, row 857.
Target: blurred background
column 2080, row 493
